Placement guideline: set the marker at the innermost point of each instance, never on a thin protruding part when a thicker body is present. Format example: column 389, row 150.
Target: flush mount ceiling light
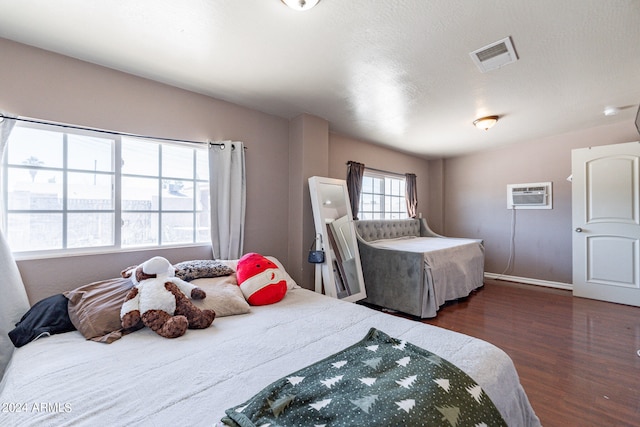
column 611, row 111
column 486, row 122
column 300, row 4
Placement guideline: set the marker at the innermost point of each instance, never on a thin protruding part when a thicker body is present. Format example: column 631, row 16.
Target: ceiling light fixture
column 486, row 122
column 611, row 111
column 300, row 5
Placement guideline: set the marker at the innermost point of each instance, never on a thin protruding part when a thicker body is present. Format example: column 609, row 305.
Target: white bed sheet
column 143, row 379
column 454, row 267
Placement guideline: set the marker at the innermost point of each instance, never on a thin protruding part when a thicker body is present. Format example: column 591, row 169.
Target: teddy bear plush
column 161, row 301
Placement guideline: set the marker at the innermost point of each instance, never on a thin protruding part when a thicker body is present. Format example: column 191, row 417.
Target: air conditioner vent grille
column 529, row 199
column 529, row 196
column 529, row 188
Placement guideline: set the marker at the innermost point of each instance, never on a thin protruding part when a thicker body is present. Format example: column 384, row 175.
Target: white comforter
column 144, row 379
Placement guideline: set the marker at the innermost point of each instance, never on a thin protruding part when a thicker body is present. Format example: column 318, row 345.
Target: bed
column 409, row 268
column 144, row 379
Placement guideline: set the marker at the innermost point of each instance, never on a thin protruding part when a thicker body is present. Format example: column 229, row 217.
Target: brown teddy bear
column 159, row 300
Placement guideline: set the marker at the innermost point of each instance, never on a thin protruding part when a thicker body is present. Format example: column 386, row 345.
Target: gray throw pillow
column 201, row 268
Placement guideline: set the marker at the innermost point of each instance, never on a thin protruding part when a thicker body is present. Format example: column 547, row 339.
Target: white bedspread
column 144, row 379
column 453, row 267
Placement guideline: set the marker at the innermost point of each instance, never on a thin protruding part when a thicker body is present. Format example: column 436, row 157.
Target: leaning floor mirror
column 341, row 270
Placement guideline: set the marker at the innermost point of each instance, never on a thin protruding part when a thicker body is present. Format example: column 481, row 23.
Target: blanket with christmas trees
column 379, row 381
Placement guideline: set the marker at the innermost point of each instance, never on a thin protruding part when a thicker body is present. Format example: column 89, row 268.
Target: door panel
column 606, row 222
column 611, row 191
column 612, row 261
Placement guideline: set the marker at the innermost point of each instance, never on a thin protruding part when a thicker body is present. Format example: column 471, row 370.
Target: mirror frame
column 321, row 222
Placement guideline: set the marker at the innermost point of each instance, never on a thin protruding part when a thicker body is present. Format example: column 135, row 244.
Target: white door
column 606, row 223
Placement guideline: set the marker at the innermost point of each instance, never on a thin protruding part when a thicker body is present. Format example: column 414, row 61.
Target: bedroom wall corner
column 476, row 205
column 308, row 156
column 434, row 213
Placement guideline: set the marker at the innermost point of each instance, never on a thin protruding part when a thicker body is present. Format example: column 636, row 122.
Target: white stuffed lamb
column 159, row 300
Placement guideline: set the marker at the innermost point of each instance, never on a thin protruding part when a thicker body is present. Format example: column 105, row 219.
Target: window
column 382, row 197
column 65, row 191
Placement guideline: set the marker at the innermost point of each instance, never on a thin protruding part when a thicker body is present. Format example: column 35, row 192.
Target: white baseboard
column 529, row 281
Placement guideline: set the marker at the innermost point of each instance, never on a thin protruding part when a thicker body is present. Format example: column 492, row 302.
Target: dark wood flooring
column 577, row 358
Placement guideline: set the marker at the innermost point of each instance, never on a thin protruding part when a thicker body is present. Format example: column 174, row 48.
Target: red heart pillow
column 260, row 279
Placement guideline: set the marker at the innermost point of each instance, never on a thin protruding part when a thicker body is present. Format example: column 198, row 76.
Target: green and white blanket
column 379, row 381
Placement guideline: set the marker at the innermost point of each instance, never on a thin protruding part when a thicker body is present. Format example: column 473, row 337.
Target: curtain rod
column 381, row 170
column 68, row 126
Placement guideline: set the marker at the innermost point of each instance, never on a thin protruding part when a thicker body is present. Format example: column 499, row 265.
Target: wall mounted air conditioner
column 536, row 195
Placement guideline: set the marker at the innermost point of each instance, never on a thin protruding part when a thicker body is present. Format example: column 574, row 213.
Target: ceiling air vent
column 495, row 55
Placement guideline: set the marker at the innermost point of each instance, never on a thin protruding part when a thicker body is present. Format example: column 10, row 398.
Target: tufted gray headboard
column 377, row 229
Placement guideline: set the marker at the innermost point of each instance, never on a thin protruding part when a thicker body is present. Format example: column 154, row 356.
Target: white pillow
column 224, row 296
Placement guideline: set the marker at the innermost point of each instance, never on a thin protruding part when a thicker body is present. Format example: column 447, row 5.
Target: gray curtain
column 411, row 194
column 355, row 172
column 228, row 199
column 14, row 302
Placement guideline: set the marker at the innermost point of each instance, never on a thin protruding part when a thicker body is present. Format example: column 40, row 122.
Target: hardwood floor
column 577, row 358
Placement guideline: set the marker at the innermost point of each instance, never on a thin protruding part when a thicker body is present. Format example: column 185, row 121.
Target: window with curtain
column 382, row 196
column 75, row 190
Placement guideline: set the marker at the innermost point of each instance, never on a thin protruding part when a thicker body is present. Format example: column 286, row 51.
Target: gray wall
column 343, row 149
column 308, row 156
column 475, row 201
column 44, row 85
column 463, row 196
column 281, row 154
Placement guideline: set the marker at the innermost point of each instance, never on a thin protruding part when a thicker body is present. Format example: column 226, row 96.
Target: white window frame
column 117, row 209
column 385, row 210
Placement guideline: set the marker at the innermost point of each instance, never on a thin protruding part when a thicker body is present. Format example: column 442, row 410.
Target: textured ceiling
column 396, row 73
